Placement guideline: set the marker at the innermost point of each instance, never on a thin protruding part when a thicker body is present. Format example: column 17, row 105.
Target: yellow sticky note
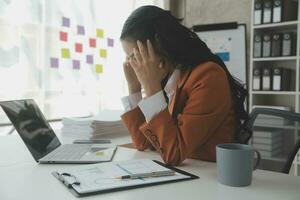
column 103, row 53
column 99, row 69
column 65, row 53
column 100, row 33
column 99, row 153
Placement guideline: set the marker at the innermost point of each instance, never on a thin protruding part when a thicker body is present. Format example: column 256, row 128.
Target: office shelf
column 277, row 26
column 277, row 98
column 274, row 92
column 283, row 58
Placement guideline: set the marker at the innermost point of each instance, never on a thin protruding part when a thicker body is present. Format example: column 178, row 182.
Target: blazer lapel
column 174, row 103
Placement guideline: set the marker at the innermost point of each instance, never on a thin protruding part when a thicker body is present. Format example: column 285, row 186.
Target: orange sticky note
column 99, row 69
column 103, row 53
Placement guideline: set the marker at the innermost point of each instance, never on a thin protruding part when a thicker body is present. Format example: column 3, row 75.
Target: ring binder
column 277, row 11
column 267, row 11
column 256, row 78
column 266, row 45
column 257, row 46
column 258, row 7
column 276, row 44
column 287, row 44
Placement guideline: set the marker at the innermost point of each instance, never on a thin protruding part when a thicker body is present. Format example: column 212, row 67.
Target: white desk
column 22, row 178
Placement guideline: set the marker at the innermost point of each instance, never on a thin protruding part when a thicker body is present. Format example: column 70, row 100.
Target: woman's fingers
column 150, row 49
column 133, row 63
column 142, row 50
column 137, row 56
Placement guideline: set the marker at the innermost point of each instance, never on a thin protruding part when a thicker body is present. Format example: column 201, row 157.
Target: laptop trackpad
column 99, row 153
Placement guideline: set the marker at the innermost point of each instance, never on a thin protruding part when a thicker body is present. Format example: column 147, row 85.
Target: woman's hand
column 133, row 83
column 148, row 68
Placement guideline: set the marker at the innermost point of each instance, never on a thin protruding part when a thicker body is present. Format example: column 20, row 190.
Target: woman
column 191, row 101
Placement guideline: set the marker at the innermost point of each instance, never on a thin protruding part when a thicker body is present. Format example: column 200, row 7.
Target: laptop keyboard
column 68, row 152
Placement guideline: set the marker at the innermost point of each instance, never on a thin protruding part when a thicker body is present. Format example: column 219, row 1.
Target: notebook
column 102, row 178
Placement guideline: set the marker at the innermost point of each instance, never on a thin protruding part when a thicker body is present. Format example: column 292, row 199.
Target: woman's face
column 128, row 47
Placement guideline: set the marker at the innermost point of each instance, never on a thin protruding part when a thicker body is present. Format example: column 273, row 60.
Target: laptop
column 43, row 143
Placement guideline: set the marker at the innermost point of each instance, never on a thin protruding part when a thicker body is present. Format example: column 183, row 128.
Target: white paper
column 97, row 177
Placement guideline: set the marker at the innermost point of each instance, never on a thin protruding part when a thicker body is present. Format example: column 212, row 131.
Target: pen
column 148, row 175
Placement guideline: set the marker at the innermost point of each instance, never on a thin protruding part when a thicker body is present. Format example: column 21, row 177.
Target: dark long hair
column 182, row 47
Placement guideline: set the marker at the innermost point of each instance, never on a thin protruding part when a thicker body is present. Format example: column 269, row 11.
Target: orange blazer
column 200, row 116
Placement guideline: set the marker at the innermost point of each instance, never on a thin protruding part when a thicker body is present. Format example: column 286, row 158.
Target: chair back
column 276, row 135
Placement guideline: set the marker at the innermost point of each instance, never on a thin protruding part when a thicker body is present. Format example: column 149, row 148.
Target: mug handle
column 257, row 160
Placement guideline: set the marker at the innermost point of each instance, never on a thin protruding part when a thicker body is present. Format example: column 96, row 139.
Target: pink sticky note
column 63, row 36
column 78, row 47
column 92, row 42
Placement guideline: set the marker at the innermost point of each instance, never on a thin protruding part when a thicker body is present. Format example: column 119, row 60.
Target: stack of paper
column 269, row 144
column 106, row 122
column 77, row 127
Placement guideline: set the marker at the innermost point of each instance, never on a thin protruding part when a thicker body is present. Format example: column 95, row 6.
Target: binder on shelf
column 266, row 45
column 256, row 78
column 258, row 10
column 277, row 79
column 266, row 79
column 276, row 45
column 281, row 79
column 288, row 44
column 267, row 11
column 257, row 46
column 285, row 10
column 277, row 11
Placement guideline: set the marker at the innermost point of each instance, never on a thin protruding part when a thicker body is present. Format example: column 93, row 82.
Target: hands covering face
column 148, row 69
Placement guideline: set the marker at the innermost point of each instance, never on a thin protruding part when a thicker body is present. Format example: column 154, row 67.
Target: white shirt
column 154, row 104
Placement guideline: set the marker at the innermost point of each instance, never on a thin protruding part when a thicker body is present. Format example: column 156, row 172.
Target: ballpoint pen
column 148, row 175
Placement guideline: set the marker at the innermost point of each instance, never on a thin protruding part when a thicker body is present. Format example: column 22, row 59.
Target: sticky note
column 92, row 42
column 65, row 53
column 89, row 59
column 80, row 30
column 76, row 64
column 99, row 69
column 54, row 62
column 65, row 22
column 110, row 42
column 78, row 47
column 99, row 153
column 100, row 33
column 103, row 53
column 63, row 36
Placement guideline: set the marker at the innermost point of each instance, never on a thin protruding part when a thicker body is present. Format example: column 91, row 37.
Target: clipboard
column 72, row 186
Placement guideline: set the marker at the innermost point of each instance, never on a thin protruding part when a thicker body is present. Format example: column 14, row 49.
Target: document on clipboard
column 105, row 177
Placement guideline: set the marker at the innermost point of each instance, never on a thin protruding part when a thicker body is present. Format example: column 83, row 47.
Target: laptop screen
column 31, row 125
